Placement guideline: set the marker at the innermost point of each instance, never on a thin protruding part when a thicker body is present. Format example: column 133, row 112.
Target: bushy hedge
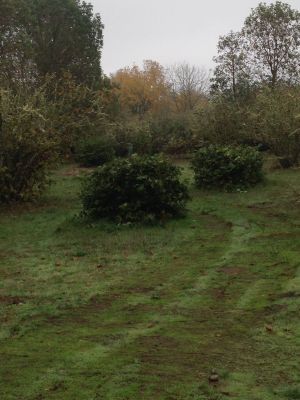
column 227, row 167
column 173, row 134
column 269, row 119
column 169, row 135
column 95, row 152
column 137, row 189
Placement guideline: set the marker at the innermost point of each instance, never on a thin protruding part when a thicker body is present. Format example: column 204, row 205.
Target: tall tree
column 231, row 74
column 50, row 37
column 272, row 32
column 65, row 35
column 15, row 47
column 142, row 90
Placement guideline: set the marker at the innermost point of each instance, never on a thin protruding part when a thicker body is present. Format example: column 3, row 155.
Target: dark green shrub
column 95, row 152
column 132, row 138
column 134, row 190
column 227, row 167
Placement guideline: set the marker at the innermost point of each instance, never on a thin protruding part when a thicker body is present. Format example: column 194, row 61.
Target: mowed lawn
column 99, row 311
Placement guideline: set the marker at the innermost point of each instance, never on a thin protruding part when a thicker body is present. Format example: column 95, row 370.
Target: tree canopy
column 265, row 51
column 41, row 37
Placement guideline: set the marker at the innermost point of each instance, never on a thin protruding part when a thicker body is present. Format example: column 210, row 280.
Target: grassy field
column 92, row 312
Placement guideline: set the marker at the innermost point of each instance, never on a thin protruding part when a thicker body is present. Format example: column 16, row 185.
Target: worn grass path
column 104, row 312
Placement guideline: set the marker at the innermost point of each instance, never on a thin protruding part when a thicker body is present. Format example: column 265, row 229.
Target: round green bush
column 137, row 189
column 227, row 167
column 95, row 152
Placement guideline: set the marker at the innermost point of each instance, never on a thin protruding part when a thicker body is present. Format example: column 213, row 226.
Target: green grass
column 97, row 311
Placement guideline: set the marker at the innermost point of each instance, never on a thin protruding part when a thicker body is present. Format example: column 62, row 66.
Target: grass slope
column 92, row 312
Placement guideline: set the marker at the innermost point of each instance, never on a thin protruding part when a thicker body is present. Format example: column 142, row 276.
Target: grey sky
column 168, row 31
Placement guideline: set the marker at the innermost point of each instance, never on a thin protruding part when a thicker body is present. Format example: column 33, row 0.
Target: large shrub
column 275, row 119
column 221, row 122
column 75, row 112
column 95, row 152
column 227, row 167
column 37, row 125
column 135, row 189
column 27, row 146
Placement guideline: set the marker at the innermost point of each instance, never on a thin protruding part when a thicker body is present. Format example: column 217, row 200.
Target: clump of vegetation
column 26, row 146
column 275, row 117
column 174, row 135
column 74, row 112
column 37, row 125
column 165, row 134
column 227, row 167
column 132, row 138
column 95, row 152
column 138, row 189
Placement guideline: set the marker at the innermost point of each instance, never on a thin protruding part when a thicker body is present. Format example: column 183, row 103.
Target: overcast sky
column 168, row 31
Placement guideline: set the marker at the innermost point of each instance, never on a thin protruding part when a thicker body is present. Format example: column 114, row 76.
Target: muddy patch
column 289, row 295
column 140, row 290
column 261, row 206
column 12, row 300
column 233, row 271
column 279, row 235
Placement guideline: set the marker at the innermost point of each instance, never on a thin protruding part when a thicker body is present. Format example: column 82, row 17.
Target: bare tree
column 188, row 85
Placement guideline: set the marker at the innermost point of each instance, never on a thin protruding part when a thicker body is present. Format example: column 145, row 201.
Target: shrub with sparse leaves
column 137, row 189
column 227, row 167
column 27, row 146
